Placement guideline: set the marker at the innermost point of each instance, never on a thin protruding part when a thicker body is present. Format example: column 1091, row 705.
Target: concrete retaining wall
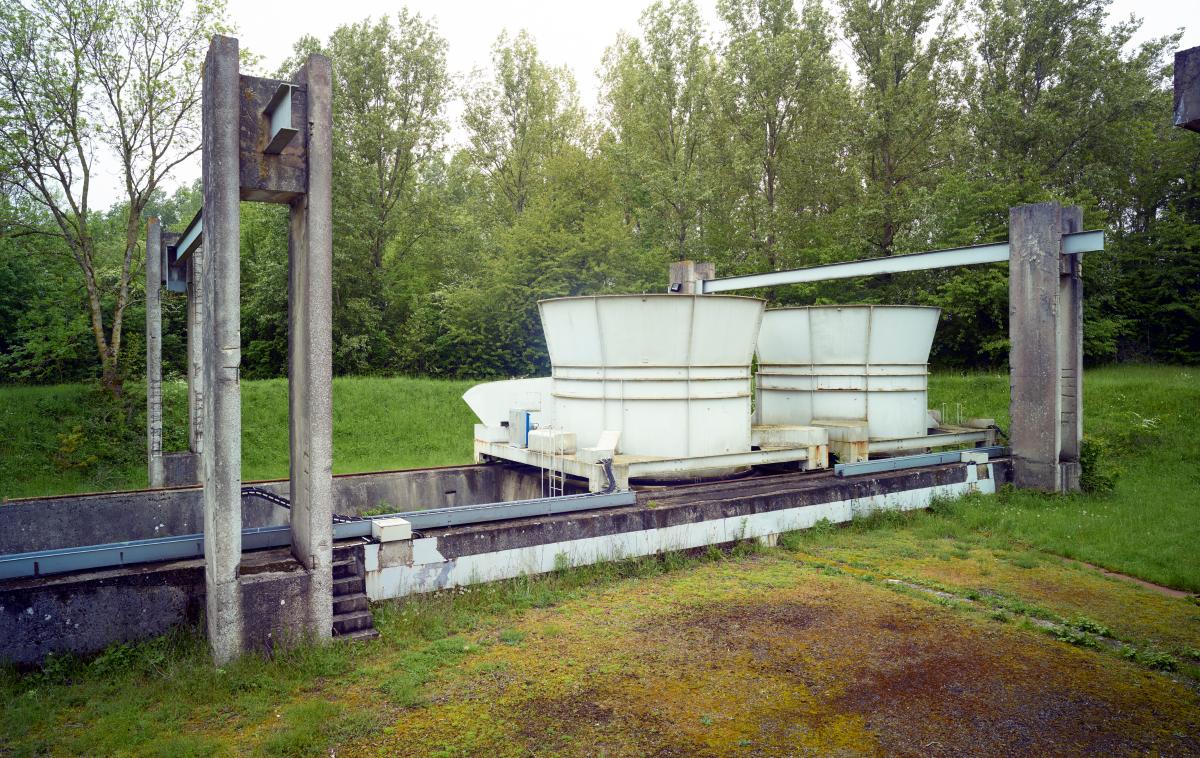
column 672, row 519
column 87, row 611
column 73, row 520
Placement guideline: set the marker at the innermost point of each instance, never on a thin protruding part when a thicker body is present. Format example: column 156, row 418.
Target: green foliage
column 1096, row 475
column 752, row 144
column 75, row 438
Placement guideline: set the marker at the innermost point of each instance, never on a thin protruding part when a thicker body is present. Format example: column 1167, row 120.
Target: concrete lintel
column 273, row 173
column 687, row 277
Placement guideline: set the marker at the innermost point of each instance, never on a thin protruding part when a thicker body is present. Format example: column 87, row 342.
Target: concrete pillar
column 1045, row 356
column 686, row 277
column 195, row 350
column 154, row 277
column 1187, row 89
column 221, row 466
column 1070, row 353
column 310, row 352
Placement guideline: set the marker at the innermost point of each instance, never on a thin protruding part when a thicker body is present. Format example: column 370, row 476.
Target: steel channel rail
column 183, row 547
column 460, row 515
column 901, row 462
column 1079, row 242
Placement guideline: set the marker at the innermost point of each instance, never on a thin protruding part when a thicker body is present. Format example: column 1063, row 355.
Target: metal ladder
column 551, row 465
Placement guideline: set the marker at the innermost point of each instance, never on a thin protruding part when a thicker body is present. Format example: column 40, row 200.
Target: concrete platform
column 85, row 611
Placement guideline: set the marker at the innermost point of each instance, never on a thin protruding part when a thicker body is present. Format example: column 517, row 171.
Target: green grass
column 1143, row 419
column 69, row 438
column 163, row 697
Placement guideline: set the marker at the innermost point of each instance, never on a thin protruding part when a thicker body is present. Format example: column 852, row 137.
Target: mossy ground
column 774, row 654
column 834, row 643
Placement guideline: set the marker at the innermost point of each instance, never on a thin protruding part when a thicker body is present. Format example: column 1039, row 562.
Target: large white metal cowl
column 671, row 373
column 847, row 362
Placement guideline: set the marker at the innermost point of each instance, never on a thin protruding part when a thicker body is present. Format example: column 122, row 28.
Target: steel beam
column 941, row 439
column 1081, row 242
column 279, row 113
column 912, row 461
column 547, row 506
column 192, row 236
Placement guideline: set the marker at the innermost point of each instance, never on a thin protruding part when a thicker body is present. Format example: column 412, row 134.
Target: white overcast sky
column 570, row 32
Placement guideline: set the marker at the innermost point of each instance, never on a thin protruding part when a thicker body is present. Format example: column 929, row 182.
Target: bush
column 1096, row 475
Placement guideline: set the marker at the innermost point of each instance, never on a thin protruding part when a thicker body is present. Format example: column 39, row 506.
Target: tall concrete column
column 195, row 350
column 154, row 269
column 1070, row 353
column 1187, row 89
column 310, row 352
column 221, row 467
column 1045, row 356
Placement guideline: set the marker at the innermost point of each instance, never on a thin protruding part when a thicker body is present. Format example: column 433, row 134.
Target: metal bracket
column 279, row 114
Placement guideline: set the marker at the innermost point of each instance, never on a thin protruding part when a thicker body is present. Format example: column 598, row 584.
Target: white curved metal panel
column 849, row 362
column 671, row 373
column 491, row 401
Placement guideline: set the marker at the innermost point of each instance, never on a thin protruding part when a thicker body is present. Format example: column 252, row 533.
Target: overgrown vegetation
column 75, row 438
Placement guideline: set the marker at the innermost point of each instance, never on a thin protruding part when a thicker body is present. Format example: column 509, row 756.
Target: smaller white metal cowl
column 847, row 362
column 670, row 373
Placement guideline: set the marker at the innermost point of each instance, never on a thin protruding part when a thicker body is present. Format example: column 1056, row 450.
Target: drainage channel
column 182, row 547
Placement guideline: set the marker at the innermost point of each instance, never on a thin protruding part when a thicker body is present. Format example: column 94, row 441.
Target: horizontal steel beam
column 912, row 461
column 114, row 554
column 941, row 439
column 1080, row 242
column 191, row 237
column 460, row 515
column 279, row 113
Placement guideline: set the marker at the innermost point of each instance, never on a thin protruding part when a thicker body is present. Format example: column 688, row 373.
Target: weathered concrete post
column 1187, row 89
column 310, row 351
column 195, row 350
column 221, row 465
column 1045, row 356
column 686, row 277
column 154, row 269
column 1070, row 353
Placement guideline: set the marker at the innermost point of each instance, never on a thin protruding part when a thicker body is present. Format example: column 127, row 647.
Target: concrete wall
column 677, row 518
column 75, row 520
column 86, row 612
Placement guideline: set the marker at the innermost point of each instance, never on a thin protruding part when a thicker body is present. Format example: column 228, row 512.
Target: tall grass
column 71, row 438
column 1142, row 418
